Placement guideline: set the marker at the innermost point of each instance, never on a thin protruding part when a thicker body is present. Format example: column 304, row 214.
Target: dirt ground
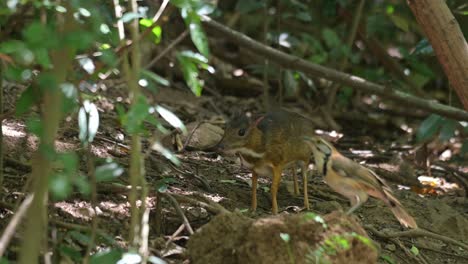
column 207, row 183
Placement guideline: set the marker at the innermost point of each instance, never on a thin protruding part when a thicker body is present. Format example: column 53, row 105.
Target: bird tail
column 400, row 213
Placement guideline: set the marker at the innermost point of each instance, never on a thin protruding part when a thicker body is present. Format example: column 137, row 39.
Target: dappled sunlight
column 14, row 130
column 362, row 153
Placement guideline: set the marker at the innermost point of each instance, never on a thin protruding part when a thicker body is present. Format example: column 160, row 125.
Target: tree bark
column 443, row 32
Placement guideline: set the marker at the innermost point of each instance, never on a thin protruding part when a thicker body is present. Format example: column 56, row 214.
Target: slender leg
column 253, row 206
column 357, row 201
column 304, row 183
column 274, row 188
column 296, row 184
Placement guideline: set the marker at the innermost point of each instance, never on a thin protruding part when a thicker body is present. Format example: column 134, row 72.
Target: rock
column 205, row 135
column 297, row 238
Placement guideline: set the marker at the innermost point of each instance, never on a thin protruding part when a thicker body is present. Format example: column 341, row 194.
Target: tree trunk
column 443, row 32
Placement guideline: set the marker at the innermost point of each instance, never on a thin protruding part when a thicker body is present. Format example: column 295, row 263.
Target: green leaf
column 304, row 16
column 70, row 95
column 331, row 38
column 190, row 73
column 108, row 172
column 81, row 40
column 448, row 129
column 60, row 186
column 69, row 162
column 47, row 82
column 162, row 184
column 136, row 115
column 155, row 77
column 156, row 30
column 80, row 237
column 72, row 253
column 146, row 22
column 400, row 22
column 285, row 237
column 14, row 73
column 204, row 8
column 27, row 99
column 182, row 3
column 317, row 218
column 38, row 35
column 414, row 250
column 194, row 57
column 171, row 118
column 166, row 153
column 42, row 57
column 88, row 122
column 388, row 259
column 107, row 256
column 109, row 58
column 34, row 125
column 290, row 83
column 429, row 127
column 4, row 261
column 12, row 46
column 81, row 182
column 193, row 22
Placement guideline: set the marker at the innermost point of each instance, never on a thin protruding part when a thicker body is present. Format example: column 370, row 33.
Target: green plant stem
column 1, row 127
column 36, row 218
column 136, row 159
column 94, row 202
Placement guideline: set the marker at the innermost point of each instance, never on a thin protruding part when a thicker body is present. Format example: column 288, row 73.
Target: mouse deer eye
column 241, row 132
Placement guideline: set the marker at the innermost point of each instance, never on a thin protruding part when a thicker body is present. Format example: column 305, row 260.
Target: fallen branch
column 210, row 206
column 177, row 207
column 418, row 233
column 296, row 63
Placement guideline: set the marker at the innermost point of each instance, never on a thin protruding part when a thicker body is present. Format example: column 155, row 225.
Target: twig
column 14, row 222
column 176, row 206
column 17, row 164
column 204, row 182
column 293, row 62
column 62, row 224
column 418, row 257
column 176, row 233
column 208, row 205
column 190, row 135
column 167, row 49
column 418, row 233
column 419, row 246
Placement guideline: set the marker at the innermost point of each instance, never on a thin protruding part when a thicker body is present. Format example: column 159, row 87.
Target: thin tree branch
column 14, row 222
column 353, row 81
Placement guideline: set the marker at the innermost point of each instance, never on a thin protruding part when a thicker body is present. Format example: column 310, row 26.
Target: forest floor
column 207, row 180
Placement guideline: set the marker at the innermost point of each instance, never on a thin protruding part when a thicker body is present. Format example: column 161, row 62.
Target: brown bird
column 354, row 181
column 267, row 144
